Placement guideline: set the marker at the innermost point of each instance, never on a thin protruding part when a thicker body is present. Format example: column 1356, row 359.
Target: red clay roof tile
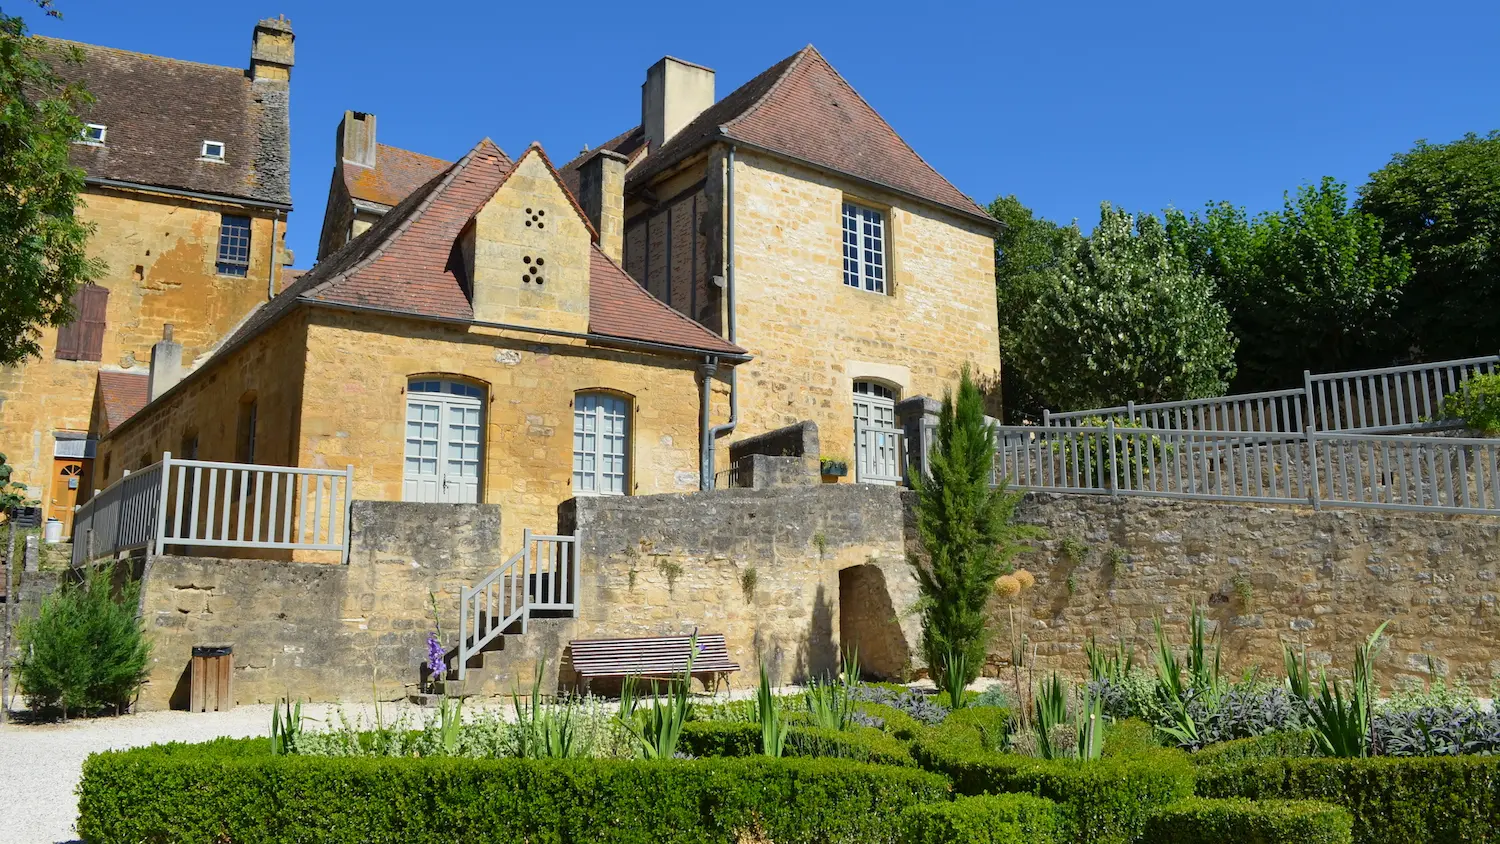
column 397, row 172
column 122, row 394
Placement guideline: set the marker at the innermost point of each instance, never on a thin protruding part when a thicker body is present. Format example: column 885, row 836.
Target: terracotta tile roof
column 404, row 264
column 631, row 144
column 121, row 394
column 801, row 107
column 397, row 172
column 159, row 111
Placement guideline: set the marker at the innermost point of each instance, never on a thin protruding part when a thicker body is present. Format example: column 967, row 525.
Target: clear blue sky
column 1063, row 104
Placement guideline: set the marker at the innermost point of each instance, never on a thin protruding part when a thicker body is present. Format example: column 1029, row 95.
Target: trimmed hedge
column 861, row 744
column 984, row 726
column 1418, row 800
column 1130, row 737
column 1238, row 821
column 1106, row 801
column 236, row 791
column 898, row 724
column 1278, row 745
column 994, row 819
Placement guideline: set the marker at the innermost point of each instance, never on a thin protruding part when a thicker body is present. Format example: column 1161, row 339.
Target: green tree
column 1441, row 204
column 43, row 243
column 967, row 529
column 1120, row 316
column 1312, row 286
column 1027, row 253
column 85, row 651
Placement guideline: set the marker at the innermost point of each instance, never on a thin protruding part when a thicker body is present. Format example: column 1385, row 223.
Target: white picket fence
column 194, row 504
column 543, row 575
column 1386, row 471
column 1397, row 398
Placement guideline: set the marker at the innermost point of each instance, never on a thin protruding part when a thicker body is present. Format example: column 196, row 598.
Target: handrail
column 1388, row 471
column 543, row 575
column 214, row 504
column 879, row 454
column 1392, row 398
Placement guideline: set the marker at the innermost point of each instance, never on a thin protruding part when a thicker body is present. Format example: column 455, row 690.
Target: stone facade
column 160, row 253
column 320, row 632
column 1324, row 579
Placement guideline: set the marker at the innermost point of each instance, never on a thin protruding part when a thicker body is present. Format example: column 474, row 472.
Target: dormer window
column 93, row 133
column 213, row 151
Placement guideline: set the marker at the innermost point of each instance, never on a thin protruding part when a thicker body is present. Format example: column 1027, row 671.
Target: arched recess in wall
column 443, row 439
column 603, row 441
column 247, row 428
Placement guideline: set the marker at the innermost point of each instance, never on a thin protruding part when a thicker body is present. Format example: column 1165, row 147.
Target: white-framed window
column 601, row 440
column 93, row 133
column 234, row 245
column 212, row 151
column 864, row 248
column 444, row 441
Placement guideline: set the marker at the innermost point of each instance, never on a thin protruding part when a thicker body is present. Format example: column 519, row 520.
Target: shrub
column 1235, row 821
column 1431, row 800
column 862, row 744
column 236, row 791
column 1477, row 403
column 893, row 722
column 1436, row 731
column 1104, row 801
column 1282, row 745
column 1130, row 737
column 84, row 652
column 996, row 819
column 923, row 708
column 983, row 726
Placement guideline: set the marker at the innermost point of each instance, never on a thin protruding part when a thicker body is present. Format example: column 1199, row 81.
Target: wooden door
column 68, row 477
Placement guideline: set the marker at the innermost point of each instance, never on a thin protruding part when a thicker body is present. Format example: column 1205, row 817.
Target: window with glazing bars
column 864, row 248
column 234, row 245
column 600, row 441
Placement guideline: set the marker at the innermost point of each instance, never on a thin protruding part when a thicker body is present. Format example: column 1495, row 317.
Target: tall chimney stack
column 674, row 93
column 601, row 192
column 166, row 364
column 356, row 139
column 272, row 51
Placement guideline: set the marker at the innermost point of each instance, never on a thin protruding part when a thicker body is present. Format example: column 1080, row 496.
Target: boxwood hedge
column 234, row 790
column 1238, row 821
column 1106, row 801
column 1418, row 800
column 990, row 819
column 861, row 744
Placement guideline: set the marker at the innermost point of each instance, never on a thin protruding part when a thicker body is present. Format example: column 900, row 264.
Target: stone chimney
column 674, row 93
column 166, row 364
column 271, row 50
column 356, row 139
column 601, row 192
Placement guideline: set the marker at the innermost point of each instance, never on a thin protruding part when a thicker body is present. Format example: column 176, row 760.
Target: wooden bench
column 653, row 658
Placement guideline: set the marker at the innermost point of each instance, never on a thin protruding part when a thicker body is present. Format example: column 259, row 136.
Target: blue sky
column 1063, row 104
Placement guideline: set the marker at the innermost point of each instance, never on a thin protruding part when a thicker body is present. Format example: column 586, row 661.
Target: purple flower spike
column 437, row 661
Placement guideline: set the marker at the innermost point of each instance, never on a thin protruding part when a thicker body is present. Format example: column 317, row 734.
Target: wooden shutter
column 92, row 306
column 83, row 338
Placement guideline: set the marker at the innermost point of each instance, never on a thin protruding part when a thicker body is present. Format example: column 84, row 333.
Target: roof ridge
column 876, row 112
column 556, row 177
column 443, row 181
column 679, row 315
column 138, row 54
column 786, row 72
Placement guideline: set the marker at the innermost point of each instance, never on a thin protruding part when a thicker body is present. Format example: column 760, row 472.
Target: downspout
column 706, row 472
column 271, row 264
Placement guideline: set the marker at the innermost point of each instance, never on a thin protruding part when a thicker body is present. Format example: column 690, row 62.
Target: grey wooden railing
column 879, row 455
column 1397, row 398
column 542, row 576
column 207, row 504
column 1388, row 471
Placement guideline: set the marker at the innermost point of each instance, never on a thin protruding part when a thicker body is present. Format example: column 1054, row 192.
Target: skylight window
column 213, row 151
column 93, row 133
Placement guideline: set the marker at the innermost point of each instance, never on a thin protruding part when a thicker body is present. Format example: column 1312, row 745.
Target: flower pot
column 834, row 468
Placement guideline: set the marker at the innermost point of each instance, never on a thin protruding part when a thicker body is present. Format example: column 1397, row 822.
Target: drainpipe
column 706, row 472
column 271, row 265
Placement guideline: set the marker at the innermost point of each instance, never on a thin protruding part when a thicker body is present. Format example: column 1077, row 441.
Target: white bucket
column 52, row 533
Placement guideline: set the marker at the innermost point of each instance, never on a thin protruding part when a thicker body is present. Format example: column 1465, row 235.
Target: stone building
column 188, row 184
column 789, row 258
column 788, row 217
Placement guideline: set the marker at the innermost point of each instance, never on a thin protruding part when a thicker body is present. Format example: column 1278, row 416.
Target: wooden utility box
column 212, row 678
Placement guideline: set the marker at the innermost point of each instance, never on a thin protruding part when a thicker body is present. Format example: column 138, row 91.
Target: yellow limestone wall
column 160, row 253
column 812, row 336
column 355, row 405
